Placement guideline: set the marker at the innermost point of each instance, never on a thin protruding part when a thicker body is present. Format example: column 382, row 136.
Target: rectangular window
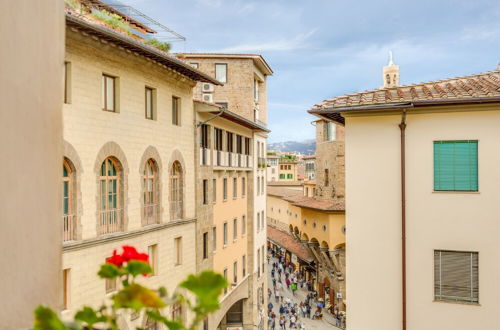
column 239, row 144
column 214, row 238
column 235, row 229
column 194, row 65
column 178, row 250
column 289, row 176
column 235, row 272
column 149, row 103
column 218, row 139
column 205, row 192
column 176, row 115
column 229, row 140
column 247, row 146
column 225, row 277
column 455, row 165
column 221, row 72
column 224, row 189
column 235, row 187
column 205, row 245
column 108, row 93
column 66, row 291
column 153, row 258
column 243, row 188
column 204, row 136
column 258, row 185
column 456, row 276
column 243, row 225
column 263, row 220
column 282, row 176
column 327, row 177
column 243, row 265
column 225, row 234
column 256, row 90
column 262, row 185
column 67, row 82
column 214, row 190
column 263, row 259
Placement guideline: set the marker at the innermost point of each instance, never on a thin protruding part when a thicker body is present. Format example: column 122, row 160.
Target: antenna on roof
column 391, row 61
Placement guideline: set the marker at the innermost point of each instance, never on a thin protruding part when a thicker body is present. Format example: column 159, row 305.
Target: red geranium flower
column 115, row 259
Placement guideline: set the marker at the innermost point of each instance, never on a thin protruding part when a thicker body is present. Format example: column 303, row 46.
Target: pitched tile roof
column 289, row 242
column 479, row 85
column 322, row 205
column 483, row 87
column 283, row 191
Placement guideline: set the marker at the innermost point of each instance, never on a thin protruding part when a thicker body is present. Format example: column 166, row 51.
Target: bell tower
column 390, row 73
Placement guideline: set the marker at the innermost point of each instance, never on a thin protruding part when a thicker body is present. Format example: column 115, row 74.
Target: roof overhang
column 138, row 47
column 336, row 113
column 219, row 111
column 258, row 59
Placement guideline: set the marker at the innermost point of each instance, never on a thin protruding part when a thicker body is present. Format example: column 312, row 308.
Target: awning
column 289, row 242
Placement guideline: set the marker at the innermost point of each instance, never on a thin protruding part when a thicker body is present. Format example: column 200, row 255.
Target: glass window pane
column 221, row 72
column 103, row 92
column 110, row 93
column 65, row 172
column 149, row 103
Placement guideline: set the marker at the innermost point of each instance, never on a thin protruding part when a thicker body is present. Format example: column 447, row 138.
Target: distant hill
column 307, row 147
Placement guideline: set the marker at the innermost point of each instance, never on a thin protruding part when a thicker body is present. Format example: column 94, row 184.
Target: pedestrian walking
column 294, row 288
column 282, row 323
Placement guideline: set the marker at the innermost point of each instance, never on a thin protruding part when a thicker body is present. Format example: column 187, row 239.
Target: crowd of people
column 291, row 314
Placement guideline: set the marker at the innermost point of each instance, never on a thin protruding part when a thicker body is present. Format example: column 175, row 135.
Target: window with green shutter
column 455, row 165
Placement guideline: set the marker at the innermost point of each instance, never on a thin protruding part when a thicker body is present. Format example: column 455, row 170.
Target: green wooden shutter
column 455, row 166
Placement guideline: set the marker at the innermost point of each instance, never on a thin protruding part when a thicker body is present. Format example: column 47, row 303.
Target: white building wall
column 435, row 220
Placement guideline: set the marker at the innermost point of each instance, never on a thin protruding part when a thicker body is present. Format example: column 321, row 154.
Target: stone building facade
column 31, row 148
column 231, row 195
column 129, row 171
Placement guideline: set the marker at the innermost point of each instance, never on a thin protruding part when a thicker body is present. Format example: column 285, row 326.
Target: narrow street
column 328, row 321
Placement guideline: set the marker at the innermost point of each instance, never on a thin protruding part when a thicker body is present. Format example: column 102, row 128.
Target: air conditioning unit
column 208, row 97
column 207, row 88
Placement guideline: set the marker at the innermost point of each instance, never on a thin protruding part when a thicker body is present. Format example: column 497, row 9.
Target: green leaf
column 89, row 316
column 136, row 296
column 136, row 267
column 171, row 325
column 207, row 287
column 109, row 271
column 162, row 291
column 46, row 319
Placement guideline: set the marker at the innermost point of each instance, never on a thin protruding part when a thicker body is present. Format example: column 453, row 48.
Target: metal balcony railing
column 69, row 227
column 111, row 221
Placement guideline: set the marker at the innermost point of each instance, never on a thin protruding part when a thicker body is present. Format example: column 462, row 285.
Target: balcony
column 204, row 156
column 151, row 214
column 111, row 221
column 231, row 159
column 69, row 227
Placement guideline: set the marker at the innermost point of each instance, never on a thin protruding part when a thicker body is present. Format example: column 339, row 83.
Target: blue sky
column 319, row 49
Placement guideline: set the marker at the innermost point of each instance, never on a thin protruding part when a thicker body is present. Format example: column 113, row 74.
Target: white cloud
column 297, row 42
column 481, row 33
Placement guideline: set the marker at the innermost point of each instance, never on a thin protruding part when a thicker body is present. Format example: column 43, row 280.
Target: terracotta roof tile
column 485, row 84
column 290, row 243
column 283, row 191
column 322, row 205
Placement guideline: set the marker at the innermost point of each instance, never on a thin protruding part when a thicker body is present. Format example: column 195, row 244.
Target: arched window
column 69, row 217
column 151, row 193
column 110, row 197
column 176, row 196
